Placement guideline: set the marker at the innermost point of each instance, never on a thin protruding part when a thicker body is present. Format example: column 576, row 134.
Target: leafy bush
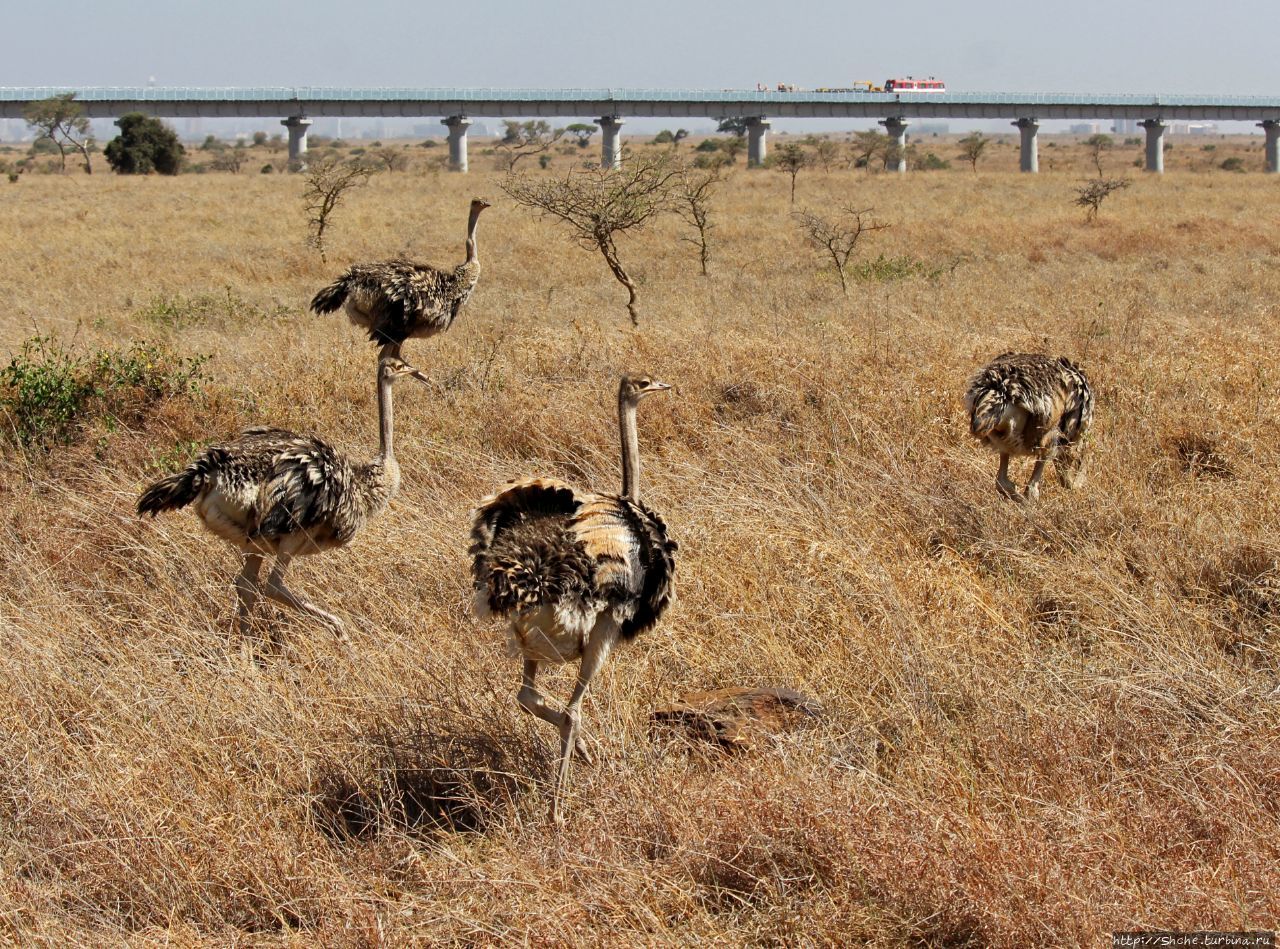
column 931, row 162
column 893, row 268
column 708, row 145
column 49, row 392
column 144, row 145
column 1234, row 163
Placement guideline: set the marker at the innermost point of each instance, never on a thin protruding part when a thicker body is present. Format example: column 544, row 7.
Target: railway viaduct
column 297, row 106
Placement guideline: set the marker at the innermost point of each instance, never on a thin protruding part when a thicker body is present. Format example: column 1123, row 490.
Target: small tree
column 598, row 204
column 866, row 146
column 972, row 147
column 328, row 180
column 391, row 159
column 229, row 159
column 144, row 145
column 789, row 159
column 731, row 148
column 1097, row 144
column 838, row 239
column 825, row 153
column 581, row 133
column 61, row 120
column 1093, row 192
column 522, row 139
column 692, row 205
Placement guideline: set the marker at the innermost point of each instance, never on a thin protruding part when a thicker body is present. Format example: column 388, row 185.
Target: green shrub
column 886, row 269
column 931, row 162
column 1234, row 163
column 50, row 392
column 708, row 145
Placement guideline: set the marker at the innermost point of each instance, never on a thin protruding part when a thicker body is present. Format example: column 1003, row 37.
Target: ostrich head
column 478, row 205
column 633, row 388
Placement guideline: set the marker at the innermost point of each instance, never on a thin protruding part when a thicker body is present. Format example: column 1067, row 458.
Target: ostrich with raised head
column 573, row 573
column 1027, row 404
column 399, row 299
column 271, row 492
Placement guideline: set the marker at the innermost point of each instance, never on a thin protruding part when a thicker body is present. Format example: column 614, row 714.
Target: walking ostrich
column 1028, row 404
column 395, row 300
column 574, row 573
column 273, row 492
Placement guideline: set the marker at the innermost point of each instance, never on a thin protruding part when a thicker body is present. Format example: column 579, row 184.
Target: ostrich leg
column 276, row 590
column 532, row 701
column 599, row 645
column 1007, row 487
column 247, row 589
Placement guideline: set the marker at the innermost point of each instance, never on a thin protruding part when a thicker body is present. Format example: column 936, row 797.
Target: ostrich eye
column 643, row 383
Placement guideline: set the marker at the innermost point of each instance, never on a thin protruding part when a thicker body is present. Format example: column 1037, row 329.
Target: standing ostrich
column 1028, row 404
column 272, row 492
column 574, row 572
column 396, row 300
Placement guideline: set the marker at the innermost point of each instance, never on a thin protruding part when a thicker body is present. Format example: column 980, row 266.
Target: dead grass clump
column 421, row 778
column 1245, row 583
column 1200, row 455
column 1060, row 619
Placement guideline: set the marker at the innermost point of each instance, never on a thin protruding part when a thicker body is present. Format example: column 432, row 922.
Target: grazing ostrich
column 272, row 492
column 1027, row 404
column 395, row 300
column 574, row 573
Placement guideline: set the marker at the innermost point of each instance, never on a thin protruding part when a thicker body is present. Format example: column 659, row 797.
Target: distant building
column 1084, row 128
column 1125, row 126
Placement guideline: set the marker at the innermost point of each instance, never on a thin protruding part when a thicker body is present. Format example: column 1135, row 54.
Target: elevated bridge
column 297, row 105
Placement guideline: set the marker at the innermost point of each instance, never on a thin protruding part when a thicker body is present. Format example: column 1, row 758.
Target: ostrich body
column 1029, row 404
column 395, row 300
column 276, row 493
column 573, row 573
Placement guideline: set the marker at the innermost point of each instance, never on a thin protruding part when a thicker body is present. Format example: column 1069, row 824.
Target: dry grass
column 1043, row 725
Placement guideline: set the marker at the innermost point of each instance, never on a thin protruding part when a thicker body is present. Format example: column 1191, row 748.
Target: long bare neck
column 630, row 449
column 471, row 235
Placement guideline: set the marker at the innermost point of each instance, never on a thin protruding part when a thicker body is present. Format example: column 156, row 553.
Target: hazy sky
column 1187, row 46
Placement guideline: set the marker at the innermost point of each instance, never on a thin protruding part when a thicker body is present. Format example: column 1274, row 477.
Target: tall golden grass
column 1044, row 723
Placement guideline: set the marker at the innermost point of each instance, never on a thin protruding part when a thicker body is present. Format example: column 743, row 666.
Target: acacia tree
column 972, row 147
column 734, row 125
column 581, row 133
column 789, row 159
column 522, row 139
column 61, row 120
column 866, row 146
column 1097, row 144
column 1094, row 191
column 838, row 238
column 598, row 204
column 692, row 204
column 328, row 181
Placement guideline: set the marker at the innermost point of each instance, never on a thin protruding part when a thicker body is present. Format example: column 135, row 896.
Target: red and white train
column 912, row 84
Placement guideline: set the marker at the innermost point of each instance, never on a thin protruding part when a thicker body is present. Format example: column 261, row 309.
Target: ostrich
column 574, row 573
column 395, row 300
column 1028, row 404
column 273, row 492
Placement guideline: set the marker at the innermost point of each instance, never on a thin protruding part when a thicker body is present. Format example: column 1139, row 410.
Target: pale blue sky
column 1187, row 46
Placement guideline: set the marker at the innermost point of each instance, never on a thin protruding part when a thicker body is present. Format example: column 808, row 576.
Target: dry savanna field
column 1042, row 723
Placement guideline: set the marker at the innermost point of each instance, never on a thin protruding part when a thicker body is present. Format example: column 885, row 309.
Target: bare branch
column 838, row 239
column 599, row 203
column 328, row 180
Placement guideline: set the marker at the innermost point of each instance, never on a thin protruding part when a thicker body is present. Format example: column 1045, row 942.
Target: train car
column 912, row 84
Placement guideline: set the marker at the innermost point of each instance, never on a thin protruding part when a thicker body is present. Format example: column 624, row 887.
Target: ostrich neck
column 471, row 235
column 630, row 450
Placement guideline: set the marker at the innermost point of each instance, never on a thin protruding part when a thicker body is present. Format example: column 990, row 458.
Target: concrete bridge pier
column 610, row 144
column 757, row 141
column 1029, row 157
column 457, row 126
column 1155, row 145
column 1271, row 127
column 297, row 126
column 896, row 128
